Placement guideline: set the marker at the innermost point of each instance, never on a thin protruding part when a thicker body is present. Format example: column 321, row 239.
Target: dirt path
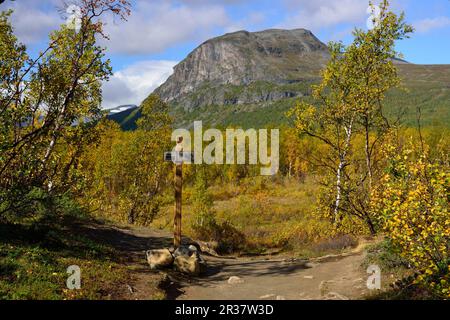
column 332, row 277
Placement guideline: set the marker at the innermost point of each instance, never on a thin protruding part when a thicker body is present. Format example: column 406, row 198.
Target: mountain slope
column 425, row 86
column 245, row 67
column 126, row 116
column 251, row 80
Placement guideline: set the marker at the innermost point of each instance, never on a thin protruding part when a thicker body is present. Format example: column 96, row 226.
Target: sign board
column 179, row 157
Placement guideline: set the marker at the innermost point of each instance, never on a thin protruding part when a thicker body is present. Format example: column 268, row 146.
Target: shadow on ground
column 132, row 242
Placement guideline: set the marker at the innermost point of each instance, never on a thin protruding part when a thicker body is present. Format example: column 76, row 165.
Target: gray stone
column 240, row 59
column 161, row 258
column 209, row 247
column 183, row 251
column 235, row 280
column 192, row 248
column 188, row 265
column 203, row 264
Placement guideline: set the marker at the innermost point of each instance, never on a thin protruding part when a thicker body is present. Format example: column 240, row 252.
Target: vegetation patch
column 34, row 259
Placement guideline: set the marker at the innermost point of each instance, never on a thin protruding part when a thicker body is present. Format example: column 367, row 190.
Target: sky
column 161, row 33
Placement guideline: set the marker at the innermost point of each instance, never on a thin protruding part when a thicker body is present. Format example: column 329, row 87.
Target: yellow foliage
column 412, row 203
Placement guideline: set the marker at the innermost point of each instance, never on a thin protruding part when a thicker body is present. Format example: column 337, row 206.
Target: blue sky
column 160, row 33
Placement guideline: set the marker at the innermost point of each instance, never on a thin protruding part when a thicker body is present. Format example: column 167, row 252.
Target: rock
column 187, row 264
column 308, row 277
column 209, row 247
column 240, row 59
column 183, row 251
column 130, row 288
column 235, row 280
column 203, row 264
column 159, row 258
column 281, row 298
column 188, row 260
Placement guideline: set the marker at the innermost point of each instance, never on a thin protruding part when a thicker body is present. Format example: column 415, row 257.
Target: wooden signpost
column 178, row 199
column 178, row 157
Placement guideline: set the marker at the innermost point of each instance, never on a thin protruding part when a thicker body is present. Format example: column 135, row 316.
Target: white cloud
column 134, row 83
column 158, row 25
column 426, row 25
column 153, row 26
column 32, row 23
column 324, row 13
column 253, row 21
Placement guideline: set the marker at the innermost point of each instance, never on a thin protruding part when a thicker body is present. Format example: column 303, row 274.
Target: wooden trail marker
column 178, row 199
column 178, row 157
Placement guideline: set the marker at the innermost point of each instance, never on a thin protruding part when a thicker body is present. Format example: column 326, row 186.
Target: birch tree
column 45, row 100
column 348, row 105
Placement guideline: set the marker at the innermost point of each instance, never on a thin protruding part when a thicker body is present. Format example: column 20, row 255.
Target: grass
column 427, row 87
column 274, row 215
column 34, row 259
column 424, row 87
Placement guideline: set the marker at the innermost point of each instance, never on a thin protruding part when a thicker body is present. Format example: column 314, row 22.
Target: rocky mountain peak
column 240, row 59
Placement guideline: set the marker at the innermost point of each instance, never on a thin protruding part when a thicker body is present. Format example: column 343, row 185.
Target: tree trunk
column 368, row 155
column 338, row 189
column 290, row 169
column 131, row 216
column 342, row 162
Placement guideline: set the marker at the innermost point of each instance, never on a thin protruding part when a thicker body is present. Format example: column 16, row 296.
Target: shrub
column 385, row 255
column 412, row 204
column 205, row 226
column 339, row 242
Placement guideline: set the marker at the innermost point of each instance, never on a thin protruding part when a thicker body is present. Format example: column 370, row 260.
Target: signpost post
column 178, row 157
column 178, row 199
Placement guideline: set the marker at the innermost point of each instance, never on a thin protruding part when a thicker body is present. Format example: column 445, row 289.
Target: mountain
column 125, row 116
column 246, row 67
column 251, row 79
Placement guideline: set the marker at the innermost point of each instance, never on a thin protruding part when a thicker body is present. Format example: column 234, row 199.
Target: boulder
column 184, row 251
column 235, row 280
column 161, row 258
column 209, row 247
column 192, row 248
column 187, row 264
column 203, row 264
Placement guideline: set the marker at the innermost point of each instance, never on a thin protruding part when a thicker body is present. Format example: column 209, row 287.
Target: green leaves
column 155, row 114
column 45, row 102
column 348, row 108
